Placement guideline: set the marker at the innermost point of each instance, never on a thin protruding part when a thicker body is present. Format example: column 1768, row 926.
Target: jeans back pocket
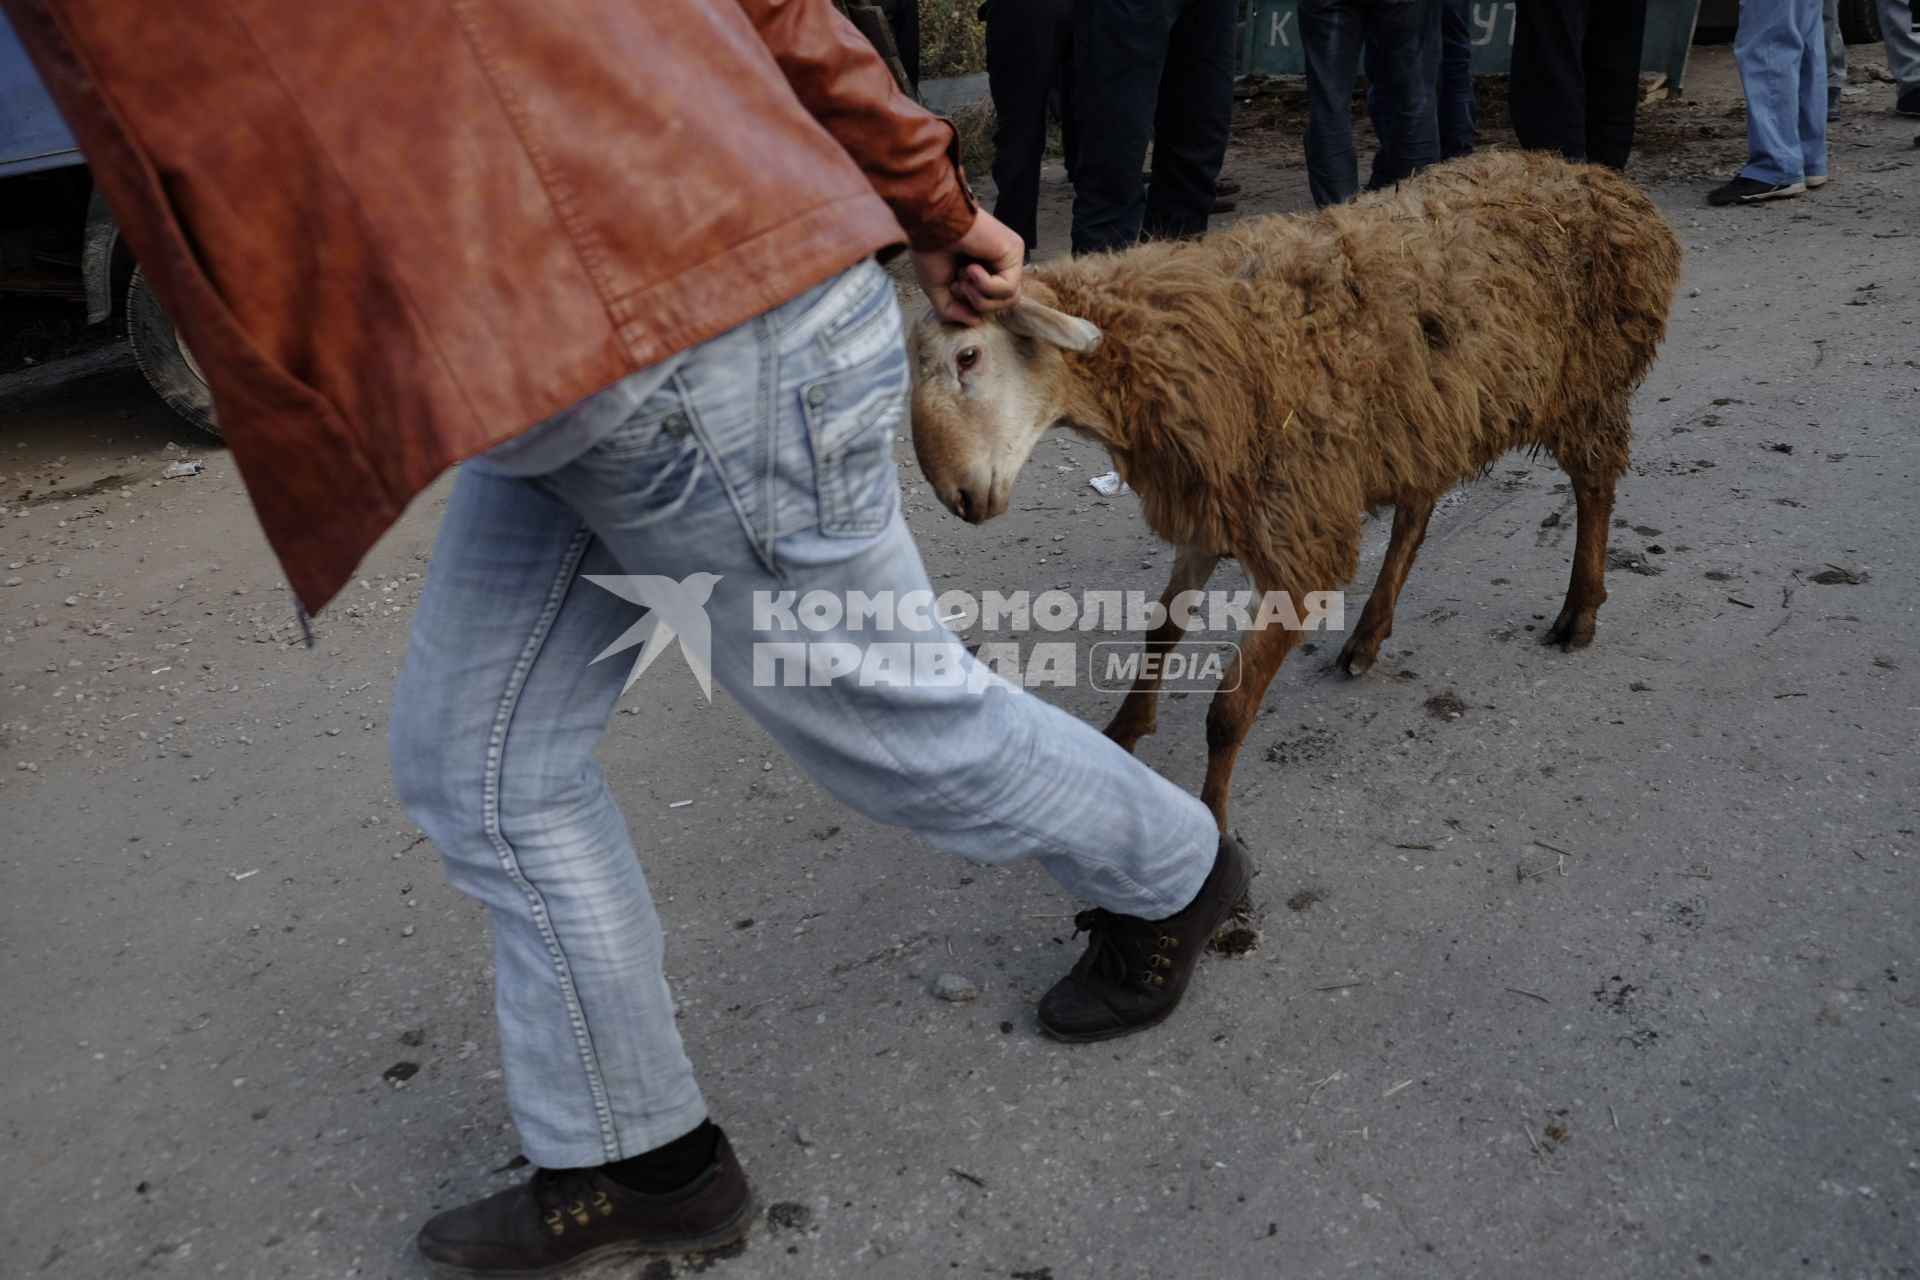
column 851, row 418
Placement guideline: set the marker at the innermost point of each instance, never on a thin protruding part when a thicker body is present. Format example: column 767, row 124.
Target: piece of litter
column 179, row 470
column 679, row 804
column 1110, row 484
column 1397, row 1088
column 242, row 875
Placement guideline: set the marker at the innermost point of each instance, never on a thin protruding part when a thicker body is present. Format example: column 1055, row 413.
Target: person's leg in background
column 1332, row 33
column 904, row 17
column 1065, row 102
column 1547, row 86
column 1387, row 168
column 1192, row 120
column 1023, row 50
column 1403, row 67
column 1454, row 87
column 1770, row 49
column 1813, row 94
column 1611, row 60
column 1836, row 53
column 1902, row 40
column 1119, row 51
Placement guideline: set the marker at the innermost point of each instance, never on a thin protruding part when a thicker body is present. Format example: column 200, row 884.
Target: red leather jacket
column 395, row 234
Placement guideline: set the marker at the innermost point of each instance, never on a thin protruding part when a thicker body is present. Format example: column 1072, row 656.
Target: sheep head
column 983, row 395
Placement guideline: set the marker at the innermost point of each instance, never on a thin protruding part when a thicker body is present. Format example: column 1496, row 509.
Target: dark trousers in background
column 1448, row 68
column 1029, row 57
column 1159, row 70
column 1447, row 64
column 1456, row 78
column 1576, row 76
column 904, row 17
column 1402, row 38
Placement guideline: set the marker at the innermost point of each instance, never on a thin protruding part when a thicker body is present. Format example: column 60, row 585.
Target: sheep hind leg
column 1587, row 589
column 1139, row 715
column 1234, row 707
column 1376, row 620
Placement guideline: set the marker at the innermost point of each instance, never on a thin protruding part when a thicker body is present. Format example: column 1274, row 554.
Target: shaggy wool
column 1263, row 387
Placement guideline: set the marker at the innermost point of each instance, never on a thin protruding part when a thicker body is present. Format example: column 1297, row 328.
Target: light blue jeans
column 1902, row 43
column 767, row 458
column 1781, row 50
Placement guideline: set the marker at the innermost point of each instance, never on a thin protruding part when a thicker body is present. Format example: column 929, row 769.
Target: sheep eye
column 968, row 358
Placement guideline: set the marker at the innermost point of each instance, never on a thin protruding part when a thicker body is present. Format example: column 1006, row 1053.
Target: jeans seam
column 767, row 437
column 504, row 851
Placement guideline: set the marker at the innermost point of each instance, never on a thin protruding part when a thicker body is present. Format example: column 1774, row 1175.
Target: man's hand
column 976, row 274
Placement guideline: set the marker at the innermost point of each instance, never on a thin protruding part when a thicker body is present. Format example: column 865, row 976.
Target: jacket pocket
column 851, row 419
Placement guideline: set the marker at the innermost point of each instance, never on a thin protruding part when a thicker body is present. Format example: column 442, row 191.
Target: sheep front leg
column 1234, row 707
column 1376, row 620
column 1139, row 714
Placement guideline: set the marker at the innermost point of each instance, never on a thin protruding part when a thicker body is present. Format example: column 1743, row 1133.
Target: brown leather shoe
column 565, row 1219
column 1134, row 971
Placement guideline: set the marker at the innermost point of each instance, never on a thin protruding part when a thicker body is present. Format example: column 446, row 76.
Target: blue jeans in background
column 1397, row 35
column 767, row 459
column 1448, row 66
column 1781, row 50
column 1902, row 41
column 1836, row 51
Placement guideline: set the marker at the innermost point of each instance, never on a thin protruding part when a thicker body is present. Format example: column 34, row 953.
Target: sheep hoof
column 1355, row 661
column 1570, row 635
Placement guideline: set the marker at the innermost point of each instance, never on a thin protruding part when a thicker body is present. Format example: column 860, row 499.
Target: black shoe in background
column 1752, row 191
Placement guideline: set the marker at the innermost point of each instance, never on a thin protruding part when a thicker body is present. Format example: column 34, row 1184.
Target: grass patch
column 953, row 42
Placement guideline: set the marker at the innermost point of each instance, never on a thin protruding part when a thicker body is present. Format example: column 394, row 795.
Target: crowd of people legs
column 1123, row 79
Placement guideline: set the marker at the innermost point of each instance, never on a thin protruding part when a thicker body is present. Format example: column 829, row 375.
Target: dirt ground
column 1592, row 965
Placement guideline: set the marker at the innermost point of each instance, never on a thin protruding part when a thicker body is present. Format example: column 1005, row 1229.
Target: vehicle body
column 59, row 246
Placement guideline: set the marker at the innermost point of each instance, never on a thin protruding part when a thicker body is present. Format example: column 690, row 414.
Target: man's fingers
column 986, row 291
column 955, row 307
column 1005, row 284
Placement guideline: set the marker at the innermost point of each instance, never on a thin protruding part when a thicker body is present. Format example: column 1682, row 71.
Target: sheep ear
column 1042, row 323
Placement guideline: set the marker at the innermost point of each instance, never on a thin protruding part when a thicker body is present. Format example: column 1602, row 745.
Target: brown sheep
column 1261, row 388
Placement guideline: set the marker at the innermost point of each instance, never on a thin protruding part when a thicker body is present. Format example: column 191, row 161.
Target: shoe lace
column 568, row 1198
column 1125, row 948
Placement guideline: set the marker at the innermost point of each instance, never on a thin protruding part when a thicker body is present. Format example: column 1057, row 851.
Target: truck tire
column 164, row 358
column 1860, row 21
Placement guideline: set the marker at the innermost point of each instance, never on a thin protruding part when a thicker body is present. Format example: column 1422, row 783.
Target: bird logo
column 673, row 609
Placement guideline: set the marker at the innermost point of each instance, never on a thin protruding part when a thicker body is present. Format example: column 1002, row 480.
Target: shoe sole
column 733, row 1230
column 1791, row 189
column 1820, row 181
column 1114, row 1033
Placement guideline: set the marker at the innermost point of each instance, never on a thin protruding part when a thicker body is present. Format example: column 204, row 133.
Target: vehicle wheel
column 1860, row 21
column 164, row 358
